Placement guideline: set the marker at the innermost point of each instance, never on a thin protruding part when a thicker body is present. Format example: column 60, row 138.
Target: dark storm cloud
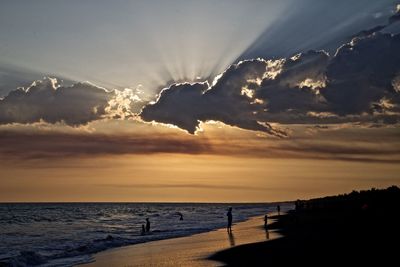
column 362, row 73
column 180, row 105
column 293, row 88
column 43, row 100
column 185, row 105
column 396, row 16
column 354, row 85
column 360, row 83
column 77, row 104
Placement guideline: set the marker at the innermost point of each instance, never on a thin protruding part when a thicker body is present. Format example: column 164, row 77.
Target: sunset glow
column 200, row 102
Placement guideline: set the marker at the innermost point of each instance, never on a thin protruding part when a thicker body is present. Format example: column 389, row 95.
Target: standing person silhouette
column 147, row 225
column 278, row 208
column 266, row 220
column 229, row 215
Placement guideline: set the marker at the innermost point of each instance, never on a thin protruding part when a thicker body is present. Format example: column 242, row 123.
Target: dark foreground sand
column 356, row 229
column 185, row 251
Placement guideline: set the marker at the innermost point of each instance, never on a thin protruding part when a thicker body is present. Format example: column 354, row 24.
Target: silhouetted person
column 266, row 220
column 147, row 225
column 278, row 208
column 143, row 230
column 229, row 215
column 181, row 218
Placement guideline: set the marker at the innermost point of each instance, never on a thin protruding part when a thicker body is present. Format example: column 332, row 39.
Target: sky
column 197, row 101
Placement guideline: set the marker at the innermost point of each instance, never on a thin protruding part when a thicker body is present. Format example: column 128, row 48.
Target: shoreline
column 193, row 250
column 116, row 226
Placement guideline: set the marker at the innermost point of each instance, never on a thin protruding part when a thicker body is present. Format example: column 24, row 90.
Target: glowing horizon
column 211, row 101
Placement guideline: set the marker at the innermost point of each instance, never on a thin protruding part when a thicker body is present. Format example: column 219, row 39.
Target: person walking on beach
column 147, row 225
column 278, row 208
column 229, row 215
column 266, row 220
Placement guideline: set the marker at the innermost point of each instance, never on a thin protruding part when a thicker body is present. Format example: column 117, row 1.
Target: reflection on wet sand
column 231, row 239
column 266, row 233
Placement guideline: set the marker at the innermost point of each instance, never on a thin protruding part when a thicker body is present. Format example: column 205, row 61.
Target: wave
column 63, row 241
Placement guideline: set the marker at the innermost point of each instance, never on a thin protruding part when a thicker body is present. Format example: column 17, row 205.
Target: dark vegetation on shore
column 357, row 228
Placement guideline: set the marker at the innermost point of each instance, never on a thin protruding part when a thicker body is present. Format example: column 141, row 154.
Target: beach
column 355, row 228
column 185, row 251
column 199, row 133
column 360, row 228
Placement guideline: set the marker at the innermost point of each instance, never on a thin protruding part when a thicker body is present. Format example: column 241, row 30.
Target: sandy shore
column 185, row 251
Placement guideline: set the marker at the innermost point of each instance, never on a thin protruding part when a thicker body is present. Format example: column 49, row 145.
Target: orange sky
column 221, row 164
column 174, row 177
column 198, row 105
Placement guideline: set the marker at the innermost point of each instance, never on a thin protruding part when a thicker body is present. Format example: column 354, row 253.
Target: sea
column 68, row 234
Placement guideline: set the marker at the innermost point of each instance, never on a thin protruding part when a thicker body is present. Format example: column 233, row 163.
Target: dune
column 355, row 229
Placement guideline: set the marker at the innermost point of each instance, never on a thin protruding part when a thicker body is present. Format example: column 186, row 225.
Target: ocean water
column 67, row 234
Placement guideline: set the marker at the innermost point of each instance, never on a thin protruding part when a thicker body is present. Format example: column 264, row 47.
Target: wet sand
column 185, row 251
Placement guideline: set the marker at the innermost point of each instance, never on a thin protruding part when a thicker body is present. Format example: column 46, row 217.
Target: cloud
column 12, row 77
column 358, row 84
column 46, row 100
column 180, row 105
column 296, row 88
column 361, row 73
column 46, row 148
column 30, row 145
column 297, row 30
column 396, row 16
column 186, row 105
